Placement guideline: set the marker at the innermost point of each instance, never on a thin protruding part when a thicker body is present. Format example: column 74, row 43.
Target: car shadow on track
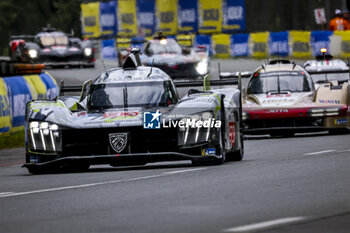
column 298, row 135
column 140, row 167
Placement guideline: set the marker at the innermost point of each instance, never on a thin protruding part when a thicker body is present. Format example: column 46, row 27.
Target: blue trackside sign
column 151, row 120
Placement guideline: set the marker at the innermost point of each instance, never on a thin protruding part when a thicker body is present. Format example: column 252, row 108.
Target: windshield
column 50, row 39
column 163, row 46
column 133, row 94
column 319, row 78
column 279, row 82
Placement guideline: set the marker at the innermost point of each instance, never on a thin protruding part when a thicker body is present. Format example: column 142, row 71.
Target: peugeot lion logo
column 118, row 141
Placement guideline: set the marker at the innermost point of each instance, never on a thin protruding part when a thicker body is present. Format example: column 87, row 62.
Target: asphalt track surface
column 296, row 184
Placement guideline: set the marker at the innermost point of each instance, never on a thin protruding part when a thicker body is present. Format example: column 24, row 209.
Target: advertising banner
column 19, row 95
column 259, row 44
column 210, row 16
column 300, row 44
column 319, row 40
column 5, row 111
column 36, row 86
column 51, row 85
column 345, row 42
column 108, row 49
column 233, row 14
column 187, row 16
column 90, row 19
column 146, row 17
column 127, row 25
column 167, row 16
column 278, row 44
column 108, row 18
column 221, row 45
column 204, row 41
column 239, row 45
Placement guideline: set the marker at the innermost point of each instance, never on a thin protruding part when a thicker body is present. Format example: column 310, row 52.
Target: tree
column 28, row 17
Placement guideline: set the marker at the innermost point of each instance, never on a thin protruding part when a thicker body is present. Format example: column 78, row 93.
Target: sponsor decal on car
column 208, row 151
column 329, row 101
column 340, row 121
column 232, row 132
column 277, row 100
column 276, row 111
column 118, row 141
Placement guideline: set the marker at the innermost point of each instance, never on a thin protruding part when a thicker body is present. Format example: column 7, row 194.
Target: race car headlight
column 197, row 128
column 319, row 112
column 202, row 67
column 33, row 53
column 87, row 52
column 44, row 136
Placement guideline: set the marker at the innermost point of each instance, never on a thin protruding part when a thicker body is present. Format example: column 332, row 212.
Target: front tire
column 237, row 155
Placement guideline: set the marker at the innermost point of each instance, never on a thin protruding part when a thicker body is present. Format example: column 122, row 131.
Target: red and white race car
column 281, row 100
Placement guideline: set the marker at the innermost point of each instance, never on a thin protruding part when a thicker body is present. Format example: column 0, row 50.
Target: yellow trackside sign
column 5, row 112
column 90, row 19
column 36, row 86
column 126, row 12
column 300, row 43
column 345, row 42
column 221, row 45
column 210, row 16
column 166, row 14
column 259, row 44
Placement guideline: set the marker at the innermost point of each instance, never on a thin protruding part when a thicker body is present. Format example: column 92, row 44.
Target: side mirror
column 85, row 89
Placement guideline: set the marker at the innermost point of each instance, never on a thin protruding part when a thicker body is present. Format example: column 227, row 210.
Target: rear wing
column 198, row 83
column 234, row 75
column 328, row 71
column 22, row 37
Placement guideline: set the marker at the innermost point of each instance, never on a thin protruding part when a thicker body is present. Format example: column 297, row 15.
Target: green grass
column 11, row 140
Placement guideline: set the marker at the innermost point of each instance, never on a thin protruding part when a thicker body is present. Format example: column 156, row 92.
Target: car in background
column 53, row 49
column 281, row 100
column 132, row 116
column 179, row 62
column 325, row 69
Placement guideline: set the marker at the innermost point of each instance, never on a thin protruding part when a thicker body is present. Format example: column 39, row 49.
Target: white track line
column 183, row 171
column 319, row 152
column 261, row 225
column 5, row 193
column 12, row 194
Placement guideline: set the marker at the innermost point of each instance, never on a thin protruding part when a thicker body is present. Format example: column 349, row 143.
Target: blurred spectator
column 346, row 15
column 338, row 23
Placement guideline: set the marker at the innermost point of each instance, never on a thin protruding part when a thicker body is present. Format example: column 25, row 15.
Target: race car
column 53, row 49
column 281, row 100
column 132, row 116
column 325, row 69
column 178, row 62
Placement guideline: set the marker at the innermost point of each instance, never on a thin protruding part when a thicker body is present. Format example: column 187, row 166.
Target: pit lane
column 304, row 177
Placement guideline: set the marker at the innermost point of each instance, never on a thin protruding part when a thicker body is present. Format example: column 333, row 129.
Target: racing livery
column 281, row 100
column 133, row 116
column 178, row 62
column 52, row 48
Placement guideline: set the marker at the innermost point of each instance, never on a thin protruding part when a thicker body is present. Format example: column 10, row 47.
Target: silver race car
column 132, row 116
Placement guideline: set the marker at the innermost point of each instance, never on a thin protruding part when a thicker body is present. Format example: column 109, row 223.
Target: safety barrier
column 295, row 44
column 172, row 17
column 15, row 92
